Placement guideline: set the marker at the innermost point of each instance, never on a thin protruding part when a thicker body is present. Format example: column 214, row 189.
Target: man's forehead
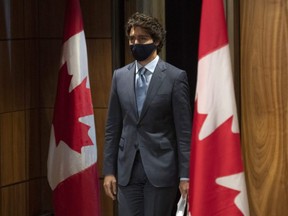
column 138, row 31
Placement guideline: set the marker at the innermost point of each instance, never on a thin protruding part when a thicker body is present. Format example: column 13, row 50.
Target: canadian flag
column 217, row 181
column 72, row 158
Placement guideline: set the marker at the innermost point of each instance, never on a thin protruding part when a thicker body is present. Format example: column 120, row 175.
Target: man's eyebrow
column 141, row 35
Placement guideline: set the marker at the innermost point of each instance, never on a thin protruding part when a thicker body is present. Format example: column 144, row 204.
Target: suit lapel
column 156, row 81
column 131, row 87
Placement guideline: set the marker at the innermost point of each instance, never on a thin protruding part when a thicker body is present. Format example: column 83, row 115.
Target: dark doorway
column 182, row 25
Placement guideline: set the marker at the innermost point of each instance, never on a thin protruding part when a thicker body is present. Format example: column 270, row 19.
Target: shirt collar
column 150, row 66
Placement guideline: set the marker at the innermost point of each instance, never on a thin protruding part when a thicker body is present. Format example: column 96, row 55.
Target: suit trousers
column 141, row 198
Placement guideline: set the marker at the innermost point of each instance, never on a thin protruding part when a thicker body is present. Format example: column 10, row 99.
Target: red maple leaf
column 69, row 107
column 215, row 156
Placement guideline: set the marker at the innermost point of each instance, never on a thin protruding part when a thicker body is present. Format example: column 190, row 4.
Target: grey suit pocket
column 122, row 144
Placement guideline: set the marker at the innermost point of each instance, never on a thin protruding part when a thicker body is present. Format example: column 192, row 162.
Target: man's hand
column 184, row 187
column 110, row 186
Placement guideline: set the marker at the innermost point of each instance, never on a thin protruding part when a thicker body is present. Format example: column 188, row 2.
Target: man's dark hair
column 149, row 24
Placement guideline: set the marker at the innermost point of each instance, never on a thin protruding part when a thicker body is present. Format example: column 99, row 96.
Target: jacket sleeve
column 182, row 121
column 112, row 131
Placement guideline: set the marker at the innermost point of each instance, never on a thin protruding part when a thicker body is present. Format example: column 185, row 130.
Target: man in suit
column 148, row 128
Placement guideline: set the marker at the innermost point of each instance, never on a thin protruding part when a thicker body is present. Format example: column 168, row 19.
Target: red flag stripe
column 72, row 158
column 217, row 181
column 73, row 19
column 77, row 195
column 213, row 33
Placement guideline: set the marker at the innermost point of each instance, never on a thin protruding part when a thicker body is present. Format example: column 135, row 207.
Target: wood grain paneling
column 14, row 200
column 30, row 48
column 31, row 68
column 11, row 19
column 13, row 156
column 51, row 18
column 130, row 7
column 6, row 138
column 33, row 197
column 264, row 103
column 100, row 70
column 33, row 151
column 31, row 26
column 46, row 196
column 46, row 116
column 233, row 27
column 50, row 51
column 12, row 92
column 97, row 18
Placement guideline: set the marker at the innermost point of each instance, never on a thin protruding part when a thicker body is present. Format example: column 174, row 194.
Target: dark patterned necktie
column 141, row 89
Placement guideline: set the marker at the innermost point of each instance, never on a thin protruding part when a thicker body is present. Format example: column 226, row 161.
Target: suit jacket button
column 139, row 125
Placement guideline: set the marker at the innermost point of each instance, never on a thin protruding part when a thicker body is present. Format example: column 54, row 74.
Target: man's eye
column 140, row 39
column 143, row 38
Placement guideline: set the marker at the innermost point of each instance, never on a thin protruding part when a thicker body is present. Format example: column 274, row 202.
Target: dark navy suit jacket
column 161, row 133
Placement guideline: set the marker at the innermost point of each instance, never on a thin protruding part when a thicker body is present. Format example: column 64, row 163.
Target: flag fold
column 217, row 180
column 72, row 158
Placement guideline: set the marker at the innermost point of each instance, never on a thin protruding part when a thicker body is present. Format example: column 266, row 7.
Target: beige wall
column 30, row 47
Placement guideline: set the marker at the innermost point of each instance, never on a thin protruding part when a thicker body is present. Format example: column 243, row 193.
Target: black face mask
column 142, row 51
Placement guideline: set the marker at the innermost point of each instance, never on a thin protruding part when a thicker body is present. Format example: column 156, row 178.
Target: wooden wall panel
column 97, row 18
column 264, row 103
column 31, row 27
column 11, row 19
column 14, row 200
column 33, row 197
column 130, row 7
column 31, row 71
column 45, row 117
column 51, row 18
column 12, row 75
column 6, row 136
column 13, row 157
column 50, row 52
column 30, row 49
column 46, row 196
column 100, row 70
column 32, row 138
